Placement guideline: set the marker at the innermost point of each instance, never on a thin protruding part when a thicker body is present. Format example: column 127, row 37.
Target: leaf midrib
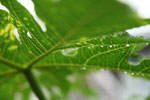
column 71, row 32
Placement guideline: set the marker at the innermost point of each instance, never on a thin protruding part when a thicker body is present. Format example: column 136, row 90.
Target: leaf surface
column 79, row 34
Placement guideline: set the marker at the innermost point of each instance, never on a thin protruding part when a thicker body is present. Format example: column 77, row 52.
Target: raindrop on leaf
column 70, row 52
column 110, row 46
column 132, row 73
column 84, row 68
column 135, row 59
column 137, row 73
column 143, row 75
column 128, row 45
column 125, row 72
column 102, row 46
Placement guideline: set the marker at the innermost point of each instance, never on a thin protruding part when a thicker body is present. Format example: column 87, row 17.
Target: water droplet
column 89, row 47
column 70, row 52
column 147, row 43
column 103, row 37
column 71, row 78
column 142, row 74
column 128, row 45
column 135, row 59
column 102, row 46
column 84, row 68
column 114, row 35
column 110, row 46
column 125, row 72
column 132, row 73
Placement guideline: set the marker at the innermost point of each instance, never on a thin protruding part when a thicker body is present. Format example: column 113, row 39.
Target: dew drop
column 84, row 68
column 103, row 37
column 128, row 45
column 114, row 35
column 110, row 46
column 89, row 47
column 135, row 60
column 137, row 73
column 142, row 74
column 147, row 43
column 102, row 46
column 125, row 72
column 70, row 52
column 132, row 73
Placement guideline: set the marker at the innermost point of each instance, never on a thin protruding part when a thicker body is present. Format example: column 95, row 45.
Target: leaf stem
column 33, row 83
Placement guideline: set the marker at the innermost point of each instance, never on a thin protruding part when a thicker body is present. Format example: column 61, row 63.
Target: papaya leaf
column 79, row 34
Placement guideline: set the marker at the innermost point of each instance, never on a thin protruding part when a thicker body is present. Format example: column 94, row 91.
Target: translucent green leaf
column 79, row 34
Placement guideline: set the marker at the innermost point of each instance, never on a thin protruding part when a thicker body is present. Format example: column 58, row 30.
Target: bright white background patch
column 141, row 6
column 28, row 4
column 140, row 31
column 3, row 7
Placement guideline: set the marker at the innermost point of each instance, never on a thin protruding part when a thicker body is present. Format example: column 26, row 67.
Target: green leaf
column 108, row 53
column 43, row 43
column 80, row 33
